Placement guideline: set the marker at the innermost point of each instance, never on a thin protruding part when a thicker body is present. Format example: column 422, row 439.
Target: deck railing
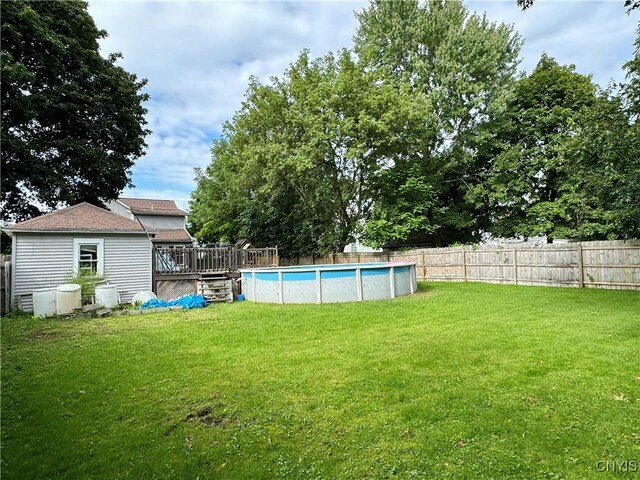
column 170, row 261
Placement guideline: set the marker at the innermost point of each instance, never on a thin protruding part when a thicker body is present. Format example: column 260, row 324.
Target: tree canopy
column 72, row 121
column 294, row 166
column 424, row 133
column 460, row 66
column 527, row 185
column 374, row 143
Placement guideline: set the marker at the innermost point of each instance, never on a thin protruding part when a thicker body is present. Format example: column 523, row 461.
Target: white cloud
column 198, row 57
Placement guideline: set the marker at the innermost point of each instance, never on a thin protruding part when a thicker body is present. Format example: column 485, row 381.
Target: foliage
column 87, row 281
column 295, row 166
column 379, row 147
column 423, row 134
column 606, row 151
column 460, row 67
column 605, row 156
column 463, row 381
column 529, row 182
column 72, row 121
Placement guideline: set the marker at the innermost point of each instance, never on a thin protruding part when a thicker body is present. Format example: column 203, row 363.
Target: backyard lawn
column 458, row 381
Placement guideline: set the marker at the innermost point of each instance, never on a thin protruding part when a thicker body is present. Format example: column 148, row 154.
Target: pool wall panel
column 402, row 277
column 339, row 286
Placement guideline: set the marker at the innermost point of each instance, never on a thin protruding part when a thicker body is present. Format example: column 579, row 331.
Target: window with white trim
column 88, row 256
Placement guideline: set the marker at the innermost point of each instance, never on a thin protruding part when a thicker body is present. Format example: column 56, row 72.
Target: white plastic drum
column 68, row 297
column 44, row 302
column 107, row 295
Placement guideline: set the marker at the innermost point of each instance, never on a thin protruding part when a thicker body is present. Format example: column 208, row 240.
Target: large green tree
column 605, row 153
column 72, row 121
column 294, row 167
column 530, row 182
column 460, row 66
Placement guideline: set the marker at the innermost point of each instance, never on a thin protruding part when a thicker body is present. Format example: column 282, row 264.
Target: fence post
column 464, row 262
column 358, row 258
column 515, row 265
column 580, row 266
column 333, row 258
column 424, row 267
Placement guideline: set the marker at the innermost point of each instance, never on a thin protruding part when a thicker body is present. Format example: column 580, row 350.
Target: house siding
column 120, row 209
column 46, row 260
column 40, row 261
column 127, row 264
column 162, row 221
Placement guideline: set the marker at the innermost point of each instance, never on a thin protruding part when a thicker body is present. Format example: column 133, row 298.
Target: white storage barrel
column 142, row 297
column 44, row 302
column 107, row 295
column 68, row 297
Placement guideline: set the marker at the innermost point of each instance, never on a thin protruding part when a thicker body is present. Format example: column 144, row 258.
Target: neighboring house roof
column 150, row 206
column 82, row 217
column 179, row 235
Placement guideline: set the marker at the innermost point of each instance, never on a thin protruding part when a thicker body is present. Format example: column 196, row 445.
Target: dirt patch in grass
column 206, row 416
column 39, row 335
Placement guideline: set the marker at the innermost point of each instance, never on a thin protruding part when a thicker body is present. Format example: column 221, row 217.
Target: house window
column 88, row 254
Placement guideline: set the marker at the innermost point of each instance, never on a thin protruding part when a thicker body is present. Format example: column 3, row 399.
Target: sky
column 198, row 57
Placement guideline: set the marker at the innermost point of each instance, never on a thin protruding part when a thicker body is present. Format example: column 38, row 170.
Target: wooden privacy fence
column 603, row 264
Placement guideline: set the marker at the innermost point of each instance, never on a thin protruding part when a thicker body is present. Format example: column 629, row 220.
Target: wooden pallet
column 216, row 290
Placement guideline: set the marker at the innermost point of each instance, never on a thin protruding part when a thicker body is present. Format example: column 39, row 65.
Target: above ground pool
column 352, row 282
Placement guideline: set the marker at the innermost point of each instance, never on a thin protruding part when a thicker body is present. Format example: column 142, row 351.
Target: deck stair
column 215, row 287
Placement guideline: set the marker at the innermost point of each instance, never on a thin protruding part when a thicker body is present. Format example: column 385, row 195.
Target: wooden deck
column 189, row 260
column 181, row 271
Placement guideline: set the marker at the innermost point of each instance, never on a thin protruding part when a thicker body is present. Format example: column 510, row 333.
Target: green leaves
column 563, row 160
column 528, row 175
column 458, row 68
column 294, row 167
column 72, row 121
column 424, row 134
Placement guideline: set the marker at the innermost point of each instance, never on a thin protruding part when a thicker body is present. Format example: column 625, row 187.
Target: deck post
column 154, row 260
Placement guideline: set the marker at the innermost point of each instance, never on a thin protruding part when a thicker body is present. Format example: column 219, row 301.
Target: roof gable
column 150, row 206
column 82, row 217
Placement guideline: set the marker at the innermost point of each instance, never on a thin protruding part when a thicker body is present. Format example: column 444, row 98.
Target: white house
column 48, row 250
column 161, row 216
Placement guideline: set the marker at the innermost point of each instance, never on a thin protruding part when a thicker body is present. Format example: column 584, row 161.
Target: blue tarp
column 186, row 301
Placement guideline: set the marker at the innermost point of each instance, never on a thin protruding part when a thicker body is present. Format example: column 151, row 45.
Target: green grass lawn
column 458, row 381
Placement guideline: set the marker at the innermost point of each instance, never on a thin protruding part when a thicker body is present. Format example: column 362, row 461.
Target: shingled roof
column 82, row 217
column 150, row 206
column 174, row 235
